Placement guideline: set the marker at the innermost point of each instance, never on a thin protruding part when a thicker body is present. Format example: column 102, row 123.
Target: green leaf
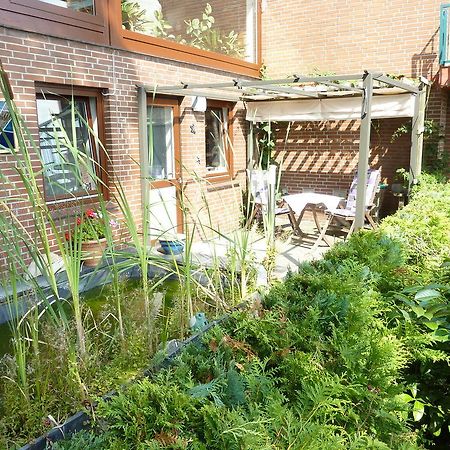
column 427, row 294
column 405, row 398
column 406, row 315
column 431, row 325
column 418, row 410
column 441, row 335
column 418, row 310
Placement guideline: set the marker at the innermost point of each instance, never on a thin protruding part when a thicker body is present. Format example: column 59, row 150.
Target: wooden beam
column 395, row 83
column 418, row 122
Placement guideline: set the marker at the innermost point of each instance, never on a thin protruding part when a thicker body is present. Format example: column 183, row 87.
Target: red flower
column 78, row 220
column 67, row 236
column 91, row 213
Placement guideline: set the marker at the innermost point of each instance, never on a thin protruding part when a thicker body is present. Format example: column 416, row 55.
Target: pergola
column 361, row 96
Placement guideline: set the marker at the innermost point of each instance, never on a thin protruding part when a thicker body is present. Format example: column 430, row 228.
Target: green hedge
column 352, row 352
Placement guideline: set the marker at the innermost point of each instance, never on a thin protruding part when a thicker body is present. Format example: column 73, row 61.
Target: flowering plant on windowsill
column 91, row 226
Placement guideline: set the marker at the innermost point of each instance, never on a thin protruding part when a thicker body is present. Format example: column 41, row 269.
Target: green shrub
column 352, row 352
column 423, row 226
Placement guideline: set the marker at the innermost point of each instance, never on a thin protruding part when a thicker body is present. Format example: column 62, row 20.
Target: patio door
column 164, row 169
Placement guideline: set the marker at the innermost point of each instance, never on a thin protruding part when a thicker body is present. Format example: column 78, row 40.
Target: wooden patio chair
column 259, row 189
column 346, row 216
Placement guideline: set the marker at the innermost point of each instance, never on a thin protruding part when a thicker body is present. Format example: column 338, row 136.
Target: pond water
column 100, row 302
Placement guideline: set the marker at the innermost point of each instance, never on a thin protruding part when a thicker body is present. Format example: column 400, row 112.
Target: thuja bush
column 423, row 226
column 351, row 352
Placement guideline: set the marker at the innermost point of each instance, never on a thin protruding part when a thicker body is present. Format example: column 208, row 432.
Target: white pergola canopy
column 339, row 108
column 317, row 98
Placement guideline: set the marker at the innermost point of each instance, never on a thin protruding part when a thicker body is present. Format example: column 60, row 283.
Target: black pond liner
column 81, row 420
column 90, row 278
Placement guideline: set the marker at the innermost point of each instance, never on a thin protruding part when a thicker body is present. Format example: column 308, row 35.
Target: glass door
column 164, row 167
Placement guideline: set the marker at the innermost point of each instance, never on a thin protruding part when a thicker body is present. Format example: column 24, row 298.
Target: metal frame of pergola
column 365, row 85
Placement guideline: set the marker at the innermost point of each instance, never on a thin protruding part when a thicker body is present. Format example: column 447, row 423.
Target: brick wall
column 323, row 156
column 29, row 58
column 303, row 37
column 393, row 36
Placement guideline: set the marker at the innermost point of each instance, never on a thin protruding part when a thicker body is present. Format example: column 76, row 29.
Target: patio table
column 300, row 203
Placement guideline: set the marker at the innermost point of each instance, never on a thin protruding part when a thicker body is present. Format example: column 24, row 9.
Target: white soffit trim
column 349, row 108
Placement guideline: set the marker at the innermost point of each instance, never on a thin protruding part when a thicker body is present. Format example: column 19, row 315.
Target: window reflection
column 6, row 128
column 228, row 28
column 216, row 125
column 64, row 174
column 160, row 132
column 86, row 6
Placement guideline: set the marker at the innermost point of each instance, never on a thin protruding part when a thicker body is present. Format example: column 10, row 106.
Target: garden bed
column 351, row 352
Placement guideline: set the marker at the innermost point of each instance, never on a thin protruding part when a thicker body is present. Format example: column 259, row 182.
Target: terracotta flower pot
column 92, row 252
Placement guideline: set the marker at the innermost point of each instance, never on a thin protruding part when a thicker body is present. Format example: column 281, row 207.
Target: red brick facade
column 29, row 58
column 306, row 37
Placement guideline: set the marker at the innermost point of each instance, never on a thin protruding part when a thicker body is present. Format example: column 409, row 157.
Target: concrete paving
column 291, row 250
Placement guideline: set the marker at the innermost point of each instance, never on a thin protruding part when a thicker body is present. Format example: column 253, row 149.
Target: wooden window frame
column 56, row 91
column 105, row 28
column 174, row 103
column 141, row 43
column 227, row 175
column 40, row 17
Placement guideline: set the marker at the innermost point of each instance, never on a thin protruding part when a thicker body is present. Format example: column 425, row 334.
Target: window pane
column 65, row 175
column 6, row 128
column 215, row 124
column 160, row 133
column 86, row 6
column 223, row 27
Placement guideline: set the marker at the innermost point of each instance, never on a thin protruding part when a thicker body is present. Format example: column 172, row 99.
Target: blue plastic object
column 170, row 247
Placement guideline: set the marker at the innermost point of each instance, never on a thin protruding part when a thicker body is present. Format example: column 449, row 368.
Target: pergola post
column 418, row 122
column 364, row 144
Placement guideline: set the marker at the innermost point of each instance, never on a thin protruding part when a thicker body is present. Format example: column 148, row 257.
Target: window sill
column 219, row 177
column 73, row 208
column 225, row 184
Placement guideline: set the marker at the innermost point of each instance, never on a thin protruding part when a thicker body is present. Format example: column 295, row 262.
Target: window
column 444, row 47
column 86, row 6
column 6, row 129
column 217, row 139
column 79, row 20
column 213, row 25
column 162, row 158
column 69, row 128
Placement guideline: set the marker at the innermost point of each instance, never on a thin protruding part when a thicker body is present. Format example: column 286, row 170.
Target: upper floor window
column 228, row 28
column 444, row 41
column 69, row 130
column 86, row 6
column 218, row 155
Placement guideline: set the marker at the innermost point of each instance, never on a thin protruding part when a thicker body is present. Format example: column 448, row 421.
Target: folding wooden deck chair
column 259, row 188
column 346, row 215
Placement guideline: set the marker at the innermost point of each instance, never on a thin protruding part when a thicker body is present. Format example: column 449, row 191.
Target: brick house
column 100, row 51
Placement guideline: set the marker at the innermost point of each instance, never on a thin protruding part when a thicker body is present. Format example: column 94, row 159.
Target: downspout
column 143, row 150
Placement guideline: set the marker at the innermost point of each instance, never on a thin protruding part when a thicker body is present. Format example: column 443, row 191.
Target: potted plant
column 90, row 229
column 400, row 184
column 172, row 244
